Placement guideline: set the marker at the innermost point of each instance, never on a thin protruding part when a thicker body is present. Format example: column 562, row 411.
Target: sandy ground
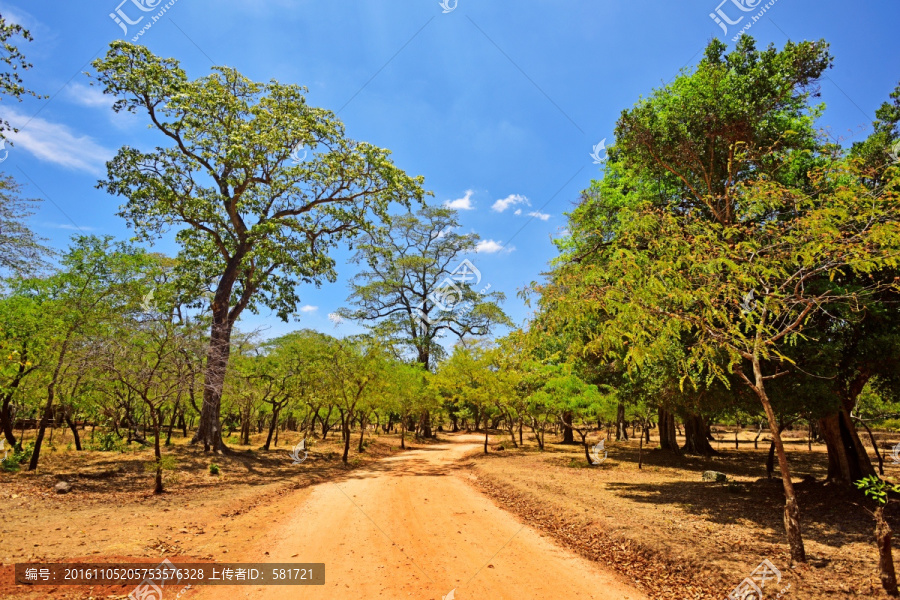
column 410, row 527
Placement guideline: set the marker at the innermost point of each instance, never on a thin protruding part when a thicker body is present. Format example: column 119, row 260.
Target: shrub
column 19, row 455
column 213, row 469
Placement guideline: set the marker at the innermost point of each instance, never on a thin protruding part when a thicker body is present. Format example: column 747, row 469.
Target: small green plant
column 877, row 489
column 19, row 455
column 214, row 469
column 167, row 464
column 109, row 442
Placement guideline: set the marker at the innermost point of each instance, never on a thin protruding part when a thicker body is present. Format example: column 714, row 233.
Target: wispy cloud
column 308, row 308
column 68, row 227
column 464, row 203
column 89, row 96
column 539, row 215
column 492, row 247
column 511, row 200
column 56, row 143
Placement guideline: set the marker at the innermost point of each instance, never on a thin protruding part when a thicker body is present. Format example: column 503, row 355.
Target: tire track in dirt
column 408, row 527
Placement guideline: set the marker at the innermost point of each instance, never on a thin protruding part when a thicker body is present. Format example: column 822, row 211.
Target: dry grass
column 111, row 514
column 680, row 537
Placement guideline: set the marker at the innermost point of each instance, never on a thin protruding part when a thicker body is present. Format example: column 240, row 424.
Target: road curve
column 411, row 527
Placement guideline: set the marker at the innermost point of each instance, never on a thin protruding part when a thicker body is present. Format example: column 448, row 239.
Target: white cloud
column 518, row 212
column 308, row 308
column 68, row 226
column 56, row 143
column 492, row 247
column 464, row 203
column 89, row 96
column 336, row 319
column 511, row 200
column 539, row 215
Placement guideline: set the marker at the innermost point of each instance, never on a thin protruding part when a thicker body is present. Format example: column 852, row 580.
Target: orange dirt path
column 411, row 527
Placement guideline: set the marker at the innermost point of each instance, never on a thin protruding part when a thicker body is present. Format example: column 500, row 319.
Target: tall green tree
column 415, row 288
column 251, row 216
column 724, row 225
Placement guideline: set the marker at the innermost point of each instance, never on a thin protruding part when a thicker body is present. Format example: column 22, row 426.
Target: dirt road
column 413, row 528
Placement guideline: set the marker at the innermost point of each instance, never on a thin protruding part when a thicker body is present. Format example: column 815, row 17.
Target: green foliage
column 11, row 84
column 17, row 457
column 248, row 217
column 21, row 250
column 108, row 441
column 214, row 469
column 407, row 292
column 877, row 489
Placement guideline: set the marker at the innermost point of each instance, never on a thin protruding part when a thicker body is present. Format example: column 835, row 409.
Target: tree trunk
column 271, row 428
column 568, row 435
column 426, row 425
column 875, row 447
column 6, row 420
column 486, row 439
column 587, row 451
column 885, row 553
column 345, row 426
column 847, row 457
column 48, row 408
column 172, row 425
column 74, row 429
column 667, row 438
column 621, row 427
column 641, row 448
column 157, row 452
column 791, row 508
column 245, row 425
column 537, row 433
column 362, row 433
column 695, row 439
column 209, row 430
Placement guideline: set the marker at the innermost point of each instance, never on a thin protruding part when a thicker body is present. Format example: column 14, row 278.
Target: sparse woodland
column 732, row 268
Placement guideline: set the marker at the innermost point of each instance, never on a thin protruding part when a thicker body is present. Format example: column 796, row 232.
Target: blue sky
column 489, row 101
